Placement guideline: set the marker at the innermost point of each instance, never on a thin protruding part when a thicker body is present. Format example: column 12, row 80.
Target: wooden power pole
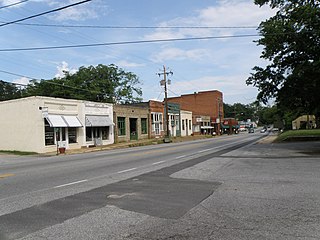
column 164, row 83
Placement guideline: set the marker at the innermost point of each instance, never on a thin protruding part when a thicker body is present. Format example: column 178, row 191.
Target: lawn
column 299, row 135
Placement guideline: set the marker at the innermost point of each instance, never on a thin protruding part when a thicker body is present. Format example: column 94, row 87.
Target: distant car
column 263, row 130
column 251, row 130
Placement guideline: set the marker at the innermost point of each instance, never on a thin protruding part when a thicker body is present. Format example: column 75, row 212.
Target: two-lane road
column 30, row 186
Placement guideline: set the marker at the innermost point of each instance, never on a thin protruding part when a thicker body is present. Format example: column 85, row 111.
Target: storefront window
column 72, row 135
column 89, row 134
column 105, row 133
column 48, row 133
column 121, row 126
column 144, row 128
column 156, row 119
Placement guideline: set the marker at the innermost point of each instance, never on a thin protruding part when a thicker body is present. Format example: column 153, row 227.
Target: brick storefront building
column 207, row 103
column 156, row 117
column 131, row 122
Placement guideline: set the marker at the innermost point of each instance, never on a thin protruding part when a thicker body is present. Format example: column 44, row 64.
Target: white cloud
column 80, row 12
column 62, row 68
column 9, row 2
column 125, row 63
column 232, row 86
column 227, row 13
column 179, row 54
column 22, row 80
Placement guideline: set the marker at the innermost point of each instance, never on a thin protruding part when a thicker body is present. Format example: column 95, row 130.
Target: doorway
column 133, row 129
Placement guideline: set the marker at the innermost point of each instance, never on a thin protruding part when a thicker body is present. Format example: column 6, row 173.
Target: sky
column 221, row 62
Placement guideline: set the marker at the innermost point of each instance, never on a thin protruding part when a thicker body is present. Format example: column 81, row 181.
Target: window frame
column 121, row 125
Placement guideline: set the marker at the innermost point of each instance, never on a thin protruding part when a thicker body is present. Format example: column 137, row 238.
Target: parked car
column 263, row 130
column 251, row 130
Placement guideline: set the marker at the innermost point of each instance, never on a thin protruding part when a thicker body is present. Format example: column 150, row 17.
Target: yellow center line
column 6, row 175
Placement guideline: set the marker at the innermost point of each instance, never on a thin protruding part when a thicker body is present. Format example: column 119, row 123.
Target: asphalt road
column 223, row 188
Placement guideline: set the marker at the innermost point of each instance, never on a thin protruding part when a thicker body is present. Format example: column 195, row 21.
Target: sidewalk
column 135, row 143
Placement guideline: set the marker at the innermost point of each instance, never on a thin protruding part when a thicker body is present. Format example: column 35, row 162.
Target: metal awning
column 98, row 121
column 56, row 121
column 72, row 121
column 63, row 121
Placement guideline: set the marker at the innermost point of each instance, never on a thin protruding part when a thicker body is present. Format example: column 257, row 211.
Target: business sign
column 199, row 120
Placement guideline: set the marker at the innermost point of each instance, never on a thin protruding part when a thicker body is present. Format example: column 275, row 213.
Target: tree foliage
column 8, row 91
column 291, row 41
column 239, row 111
column 100, row 83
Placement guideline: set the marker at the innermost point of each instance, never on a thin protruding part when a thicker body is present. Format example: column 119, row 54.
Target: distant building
column 186, row 123
column 203, row 105
column 174, row 119
column 304, row 122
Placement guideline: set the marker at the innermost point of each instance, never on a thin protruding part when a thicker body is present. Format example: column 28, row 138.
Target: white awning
column 56, row 121
column 72, row 121
column 98, row 121
column 63, row 121
column 206, row 127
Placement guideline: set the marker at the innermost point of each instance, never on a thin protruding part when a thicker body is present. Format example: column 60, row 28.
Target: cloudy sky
column 222, row 62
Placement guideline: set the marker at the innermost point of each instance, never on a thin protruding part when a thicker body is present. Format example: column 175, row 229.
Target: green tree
column 291, row 41
column 9, row 91
column 239, row 111
column 100, row 83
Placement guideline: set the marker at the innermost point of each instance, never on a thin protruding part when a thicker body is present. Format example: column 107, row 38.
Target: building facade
column 43, row 124
column 99, row 125
column 132, row 122
column 186, row 123
column 207, row 103
column 156, row 111
column 304, row 122
column 174, row 119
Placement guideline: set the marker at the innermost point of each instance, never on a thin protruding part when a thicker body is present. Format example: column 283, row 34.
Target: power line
column 126, row 42
column 135, row 27
column 13, row 4
column 47, row 12
column 18, row 75
column 48, row 82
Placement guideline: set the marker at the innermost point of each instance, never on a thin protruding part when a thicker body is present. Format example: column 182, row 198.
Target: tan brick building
column 131, row 122
column 207, row 103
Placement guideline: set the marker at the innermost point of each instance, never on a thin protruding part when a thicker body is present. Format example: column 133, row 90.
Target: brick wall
column 155, row 106
column 202, row 103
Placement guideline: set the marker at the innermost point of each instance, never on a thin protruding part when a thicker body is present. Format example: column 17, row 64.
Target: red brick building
column 207, row 103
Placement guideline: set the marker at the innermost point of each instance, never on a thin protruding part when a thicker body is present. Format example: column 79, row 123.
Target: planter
column 62, row 150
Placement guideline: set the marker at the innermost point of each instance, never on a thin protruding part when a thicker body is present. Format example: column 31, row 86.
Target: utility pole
column 164, row 83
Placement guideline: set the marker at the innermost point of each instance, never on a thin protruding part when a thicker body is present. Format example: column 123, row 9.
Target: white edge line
column 158, row 162
column 68, row 184
column 205, row 150
column 127, row 170
column 181, row 157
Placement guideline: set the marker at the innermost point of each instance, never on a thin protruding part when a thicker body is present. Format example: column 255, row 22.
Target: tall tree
column 8, row 91
column 239, row 111
column 100, row 83
column 291, row 41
